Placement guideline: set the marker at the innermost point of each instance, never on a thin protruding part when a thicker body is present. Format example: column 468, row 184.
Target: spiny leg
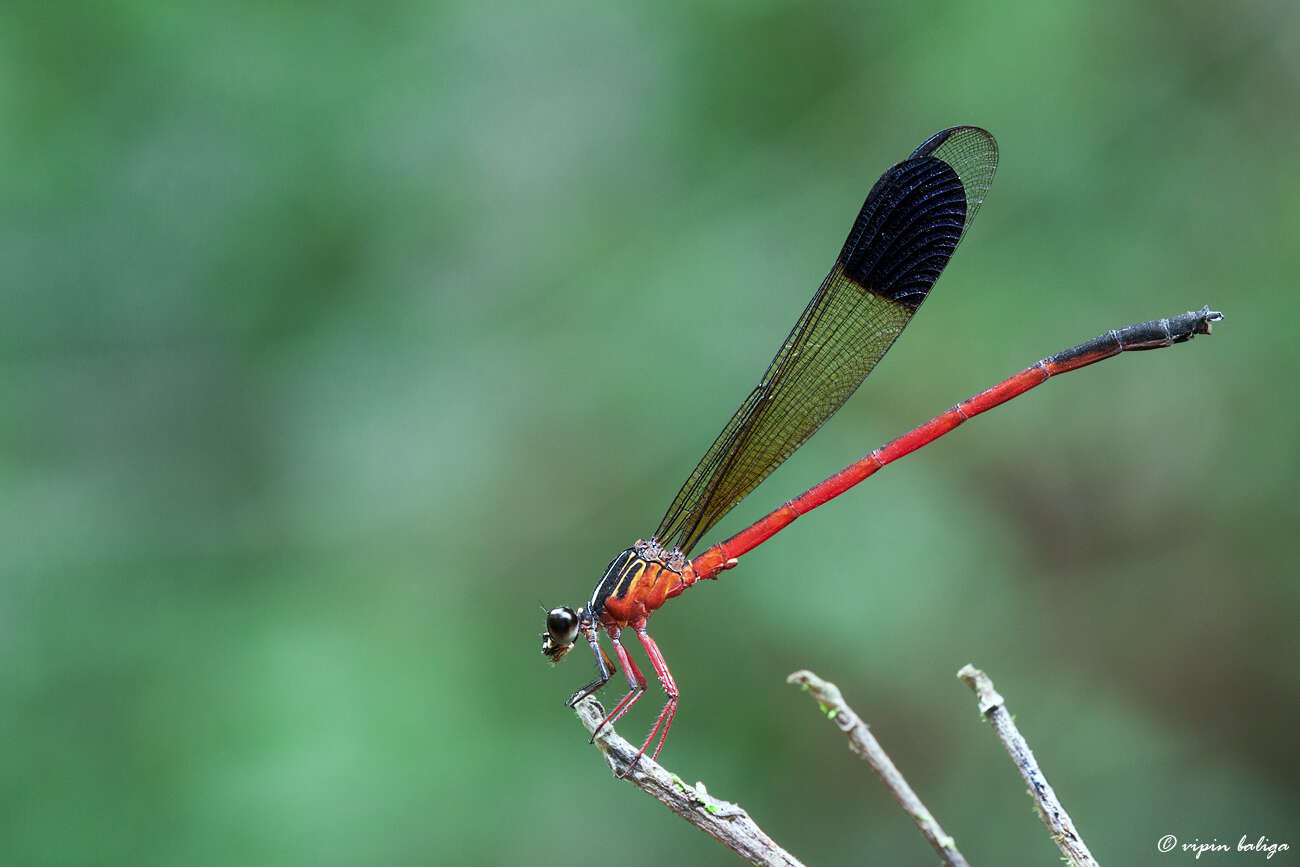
column 603, row 666
column 636, row 686
column 670, row 689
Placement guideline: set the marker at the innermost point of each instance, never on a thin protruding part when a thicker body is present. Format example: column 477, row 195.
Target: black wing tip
column 960, row 158
column 934, row 142
column 957, row 178
column 907, row 230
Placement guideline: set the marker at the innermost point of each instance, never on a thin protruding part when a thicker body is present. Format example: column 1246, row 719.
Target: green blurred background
column 337, row 338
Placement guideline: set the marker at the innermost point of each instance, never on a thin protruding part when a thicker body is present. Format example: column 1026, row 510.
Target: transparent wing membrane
column 908, row 228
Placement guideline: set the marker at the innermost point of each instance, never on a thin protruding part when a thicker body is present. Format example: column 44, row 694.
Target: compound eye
column 562, row 625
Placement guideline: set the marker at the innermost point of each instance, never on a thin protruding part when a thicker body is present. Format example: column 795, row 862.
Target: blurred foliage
column 337, row 337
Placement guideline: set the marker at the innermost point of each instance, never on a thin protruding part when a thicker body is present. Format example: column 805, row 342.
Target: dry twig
column 1058, row 822
column 864, row 743
column 732, row 827
column 723, row 821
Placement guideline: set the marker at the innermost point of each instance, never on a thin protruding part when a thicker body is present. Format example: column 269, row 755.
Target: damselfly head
column 561, row 631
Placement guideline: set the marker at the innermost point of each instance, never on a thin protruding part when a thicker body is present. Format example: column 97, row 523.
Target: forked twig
column 864, row 743
column 723, row 821
column 732, row 826
column 1058, row 822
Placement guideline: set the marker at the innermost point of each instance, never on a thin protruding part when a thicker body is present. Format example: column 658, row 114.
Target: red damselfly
column 908, row 228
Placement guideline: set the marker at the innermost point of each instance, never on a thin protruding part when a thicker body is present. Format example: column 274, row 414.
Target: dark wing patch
column 907, row 230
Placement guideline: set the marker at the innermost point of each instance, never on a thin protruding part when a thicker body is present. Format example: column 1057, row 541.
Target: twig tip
column 982, row 685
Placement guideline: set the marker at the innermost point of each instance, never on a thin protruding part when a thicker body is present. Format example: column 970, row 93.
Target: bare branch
column 723, row 821
column 864, row 743
column 1058, row 822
